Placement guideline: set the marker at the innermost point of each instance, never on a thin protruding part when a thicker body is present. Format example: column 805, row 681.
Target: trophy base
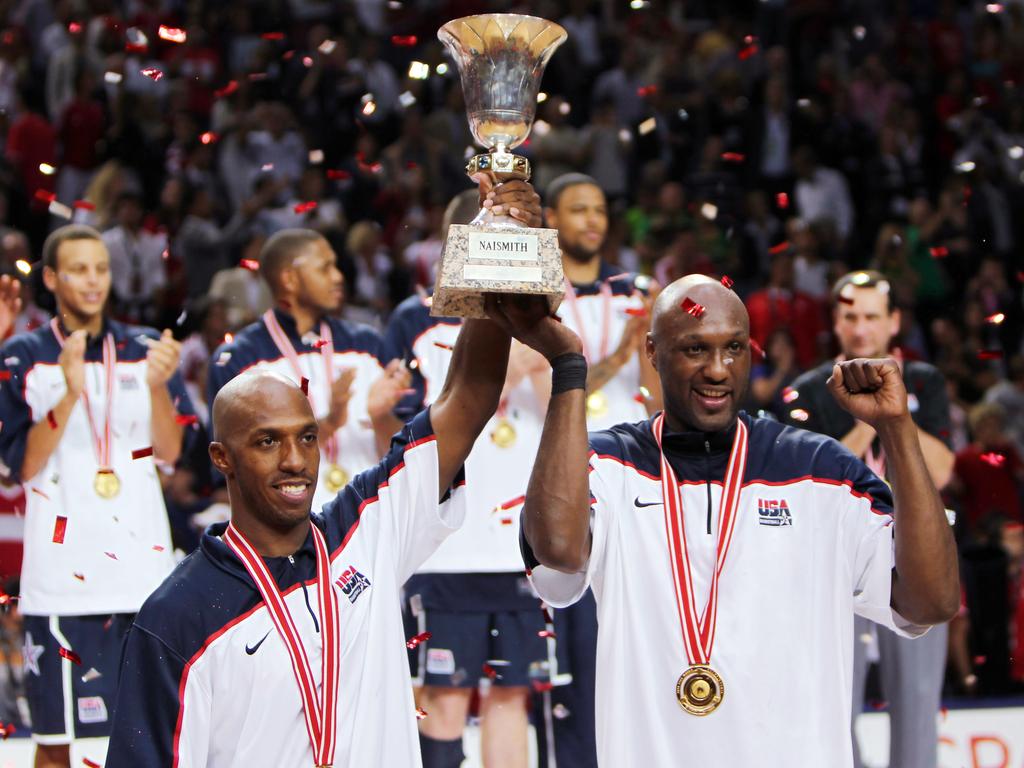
column 479, row 259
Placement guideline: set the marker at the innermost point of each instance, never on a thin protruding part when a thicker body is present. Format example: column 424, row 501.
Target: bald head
column 718, row 301
column 252, row 398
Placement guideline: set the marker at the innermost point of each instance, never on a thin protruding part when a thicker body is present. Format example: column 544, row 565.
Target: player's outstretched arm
column 479, row 360
column 925, row 582
column 556, row 516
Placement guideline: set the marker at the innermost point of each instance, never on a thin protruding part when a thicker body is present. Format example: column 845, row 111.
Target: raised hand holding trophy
column 501, row 58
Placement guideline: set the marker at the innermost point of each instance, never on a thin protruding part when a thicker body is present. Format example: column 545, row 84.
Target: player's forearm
column 384, row 428
column 44, row 436
column 649, row 380
column 166, row 431
column 938, row 458
column 603, row 372
column 556, row 515
column 926, row 586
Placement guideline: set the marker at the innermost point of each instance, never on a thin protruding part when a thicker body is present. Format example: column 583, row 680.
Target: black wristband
column 568, row 371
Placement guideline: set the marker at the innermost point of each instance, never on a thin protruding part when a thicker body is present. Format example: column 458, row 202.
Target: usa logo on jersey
column 774, row 512
column 352, row 583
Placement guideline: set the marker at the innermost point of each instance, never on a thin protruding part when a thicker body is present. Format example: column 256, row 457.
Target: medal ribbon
column 285, row 347
column 699, row 632
column 606, row 320
column 321, row 712
column 100, row 440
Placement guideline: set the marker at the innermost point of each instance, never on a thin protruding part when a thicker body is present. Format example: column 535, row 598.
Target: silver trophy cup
column 501, row 59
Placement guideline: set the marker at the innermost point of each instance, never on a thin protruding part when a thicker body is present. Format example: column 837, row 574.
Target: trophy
column 501, row 58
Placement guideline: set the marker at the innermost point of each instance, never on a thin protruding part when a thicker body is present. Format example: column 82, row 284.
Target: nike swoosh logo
column 251, row 649
column 638, row 504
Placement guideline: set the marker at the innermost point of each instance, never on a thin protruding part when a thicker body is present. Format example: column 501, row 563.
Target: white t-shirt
column 812, row 546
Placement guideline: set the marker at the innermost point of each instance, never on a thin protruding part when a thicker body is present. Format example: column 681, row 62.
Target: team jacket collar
column 287, row 321
column 693, row 442
column 217, row 552
column 109, row 326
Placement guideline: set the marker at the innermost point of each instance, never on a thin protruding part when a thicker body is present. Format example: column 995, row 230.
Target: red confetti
column 51, row 420
column 304, row 385
column 727, row 281
column 153, row 74
column 980, row 660
column 782, row 200
column 691, row 307
column 39, row 493
column 746, row 53
column 995, row 319
column 5, row 375
column 251, row 264
column 83, row 205
column 989, row 354
column 208, row 137
column 288, row 55
column 789, row 395
column 111, row 555
column 490, row 671
column 172, row 34
column 91, row 763
column 782, row 247
column 878, row 705
column 415, row 640
column 320, row 343
column 636, row 312
column 60, row 527
column 733, row 157
column 939, row 251
column 45, row 197
column 993, row 459
column 186, row 419
column 757, row 348
column 273, row 36
column 646, row 90
column 547, row 633
column 6, row 598
column 421, row 713
column 404, row 41
column 74, row 28
column 542, row 686
column 158, row 548
column 142, row 453
column 442, row 345
column 70, row 655
column 227, row 90
column 79, row 576
column 639, row 397
column 335, row 174
column 306, row 207
column 7, row 730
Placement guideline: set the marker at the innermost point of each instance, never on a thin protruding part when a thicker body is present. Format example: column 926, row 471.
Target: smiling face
column 703, row 363
column 268, row 450
column 81, row 280
column 581, row 218
column 865, row 326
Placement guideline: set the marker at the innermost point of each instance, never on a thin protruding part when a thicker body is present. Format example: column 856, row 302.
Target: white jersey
column 206, row 680
column 812, row 545
column 85, row 554
column 601, row 306
column 355, row 346
column 496, row 477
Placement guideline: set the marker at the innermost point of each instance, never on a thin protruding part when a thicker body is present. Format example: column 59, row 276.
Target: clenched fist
column 870, row 390
column 162, row 359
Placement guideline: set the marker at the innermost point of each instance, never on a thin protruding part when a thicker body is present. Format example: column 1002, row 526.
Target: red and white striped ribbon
column 320, row 711
column 699, row 630
column 101, row 440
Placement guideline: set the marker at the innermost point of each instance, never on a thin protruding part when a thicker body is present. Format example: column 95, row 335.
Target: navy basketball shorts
column 471, row 643
column 71, row 695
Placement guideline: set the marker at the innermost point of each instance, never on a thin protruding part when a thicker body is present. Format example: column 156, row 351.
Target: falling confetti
column 789, row 395
column 782, row 200
column 782, row 247
column 304, row 385
column 442, row 345
column 83, row 205
column 90, row 763
column 172, row 34
column 878, row 705
column 646, row 90
column 733, row 157
column 306, row 207
column 45, row 197
column 60, row 527
column 989, row 354
column 142, row 453
column 7, row 730
column 251, row 264
column 111, row 555
column 995, row 319
column 727, row 281
column 272, row 36
column 39, row 493
column 208, row 137
column 153, row 74
column 79, row 576
column 5, row 375
column 92, row 674
column 51, row 420
column 404, row 41
column 227, row 90
column 691, row 307
column 70, row 655
column 636, row 312
column 421, row 713
column 336, row 174
column 186, row 419
column 799, row 414
column 320, row 343
column 993, row 459
column 415, row 640
column 939, row 252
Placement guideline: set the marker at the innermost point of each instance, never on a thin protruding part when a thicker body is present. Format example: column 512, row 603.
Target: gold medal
column 597, row 404
column 700, row 690
column 106, row 484
column 504, row 434
column 337, row 478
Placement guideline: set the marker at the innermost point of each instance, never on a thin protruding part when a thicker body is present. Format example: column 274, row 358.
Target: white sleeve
column 560, row 589
column 870, row 549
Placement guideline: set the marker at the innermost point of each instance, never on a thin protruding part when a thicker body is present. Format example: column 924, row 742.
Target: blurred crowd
column 781, row 143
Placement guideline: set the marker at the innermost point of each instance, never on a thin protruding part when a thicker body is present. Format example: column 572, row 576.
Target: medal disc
column 337, row 478
column 106, row 484
column 700, row 690
column 504, row 434
column 597, row 403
